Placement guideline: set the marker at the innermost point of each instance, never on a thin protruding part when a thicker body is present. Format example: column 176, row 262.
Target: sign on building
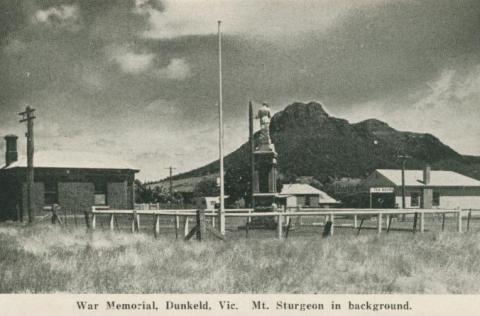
column 381, row 190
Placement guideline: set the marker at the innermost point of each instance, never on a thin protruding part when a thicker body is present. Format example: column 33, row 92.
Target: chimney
column 11, row 153
column 426, row 174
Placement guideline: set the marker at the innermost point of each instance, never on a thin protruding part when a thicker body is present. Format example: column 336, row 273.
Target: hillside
column 310, row 142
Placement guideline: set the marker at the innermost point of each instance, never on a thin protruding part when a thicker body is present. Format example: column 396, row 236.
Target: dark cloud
column 148, row 70
column 12, row 17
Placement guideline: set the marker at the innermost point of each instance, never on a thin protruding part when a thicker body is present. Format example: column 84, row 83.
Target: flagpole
column 220, row 128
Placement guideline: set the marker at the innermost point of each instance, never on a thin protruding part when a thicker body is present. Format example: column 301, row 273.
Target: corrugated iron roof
column 306, row 189
column 72, row 159
column 299, row 188
column 439, row 178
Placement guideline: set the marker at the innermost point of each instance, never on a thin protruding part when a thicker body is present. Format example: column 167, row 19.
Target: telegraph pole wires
column 27, row 116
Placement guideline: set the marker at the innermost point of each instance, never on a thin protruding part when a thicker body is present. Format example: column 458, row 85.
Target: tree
column 207, row 187
column 143, row 194
column 237, row 183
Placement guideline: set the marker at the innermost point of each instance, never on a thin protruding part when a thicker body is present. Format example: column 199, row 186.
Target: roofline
column 86, row 168
column 419, row 185
column 438, row 186
column 304, row 193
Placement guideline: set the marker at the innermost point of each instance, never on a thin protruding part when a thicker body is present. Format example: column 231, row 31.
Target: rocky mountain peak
column 299, row 114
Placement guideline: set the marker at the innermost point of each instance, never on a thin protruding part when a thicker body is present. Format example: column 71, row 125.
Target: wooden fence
column 283, row 217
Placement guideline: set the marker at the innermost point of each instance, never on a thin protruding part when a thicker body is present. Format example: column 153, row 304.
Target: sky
column 138, row 79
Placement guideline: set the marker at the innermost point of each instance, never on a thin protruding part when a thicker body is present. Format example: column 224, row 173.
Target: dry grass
column 48, row 259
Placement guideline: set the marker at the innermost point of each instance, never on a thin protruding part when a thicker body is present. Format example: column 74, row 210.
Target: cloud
column 446, row 107
column 144, row 73
column 177, row 69
column 132, row 62
column 174, row 18
column 163, row 107
column 15, row 46
column 90, row 77
column 128, row 60
column 58, row 14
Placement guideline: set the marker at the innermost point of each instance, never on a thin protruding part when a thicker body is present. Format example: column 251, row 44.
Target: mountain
column 310, row 142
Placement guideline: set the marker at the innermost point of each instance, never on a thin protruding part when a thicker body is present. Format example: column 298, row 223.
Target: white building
column 304, row 195
column 423, row 189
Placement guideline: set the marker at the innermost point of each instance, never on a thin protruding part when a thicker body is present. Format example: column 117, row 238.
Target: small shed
column 304, row 195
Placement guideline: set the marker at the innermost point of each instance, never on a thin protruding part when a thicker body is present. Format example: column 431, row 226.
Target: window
column 51, row 192
column 307, row 200
column 436, row 199
column 415, row 199
column 100, row 191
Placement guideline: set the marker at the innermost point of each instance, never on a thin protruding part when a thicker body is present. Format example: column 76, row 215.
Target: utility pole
column 28, row 117
column 171, row 183
column 221, row 213
column 404, row 160
column 252, row 158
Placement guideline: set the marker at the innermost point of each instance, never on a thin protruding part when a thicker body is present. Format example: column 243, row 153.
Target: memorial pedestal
column 265, row 183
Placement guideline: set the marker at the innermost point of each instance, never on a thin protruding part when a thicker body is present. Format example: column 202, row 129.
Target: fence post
column 87, row 220
column 355, row 223
column 460, row 221
column 64, row 215
column 133, row 220
column 379, row 223
column 468, row 219
column 387, row 222
column 177, row 222
column 138, row 222
column 201, row 228
column 157, row 225
column 54, row 215
column 279, row 226
column 414, row 229
column 94, row 221
column 332, row 219
column 112, row 222
column 300, row 221
column 177, row 225
column 422, row 222
column 75, row 215
column 249, row 218
column 185, row 226
column 443, row 221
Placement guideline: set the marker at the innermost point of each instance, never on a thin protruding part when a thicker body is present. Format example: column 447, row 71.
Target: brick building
column 423, row 189
column 74, row 180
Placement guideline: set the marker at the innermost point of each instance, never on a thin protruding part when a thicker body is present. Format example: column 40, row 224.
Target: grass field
column 47, row 258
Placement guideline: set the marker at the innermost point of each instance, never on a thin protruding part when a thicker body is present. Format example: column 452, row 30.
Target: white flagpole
column 220, row 113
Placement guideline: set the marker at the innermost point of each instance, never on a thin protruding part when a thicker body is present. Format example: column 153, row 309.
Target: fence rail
column 283, row 216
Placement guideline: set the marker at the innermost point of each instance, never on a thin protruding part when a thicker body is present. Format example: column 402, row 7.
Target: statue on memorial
column 264, row 114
